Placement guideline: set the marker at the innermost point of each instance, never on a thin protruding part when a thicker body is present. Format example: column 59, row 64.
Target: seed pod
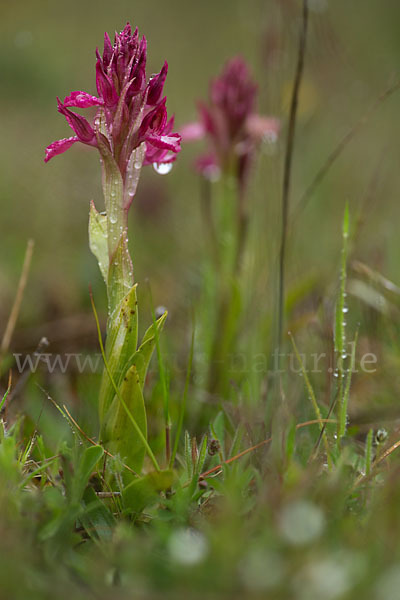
column 214, row 447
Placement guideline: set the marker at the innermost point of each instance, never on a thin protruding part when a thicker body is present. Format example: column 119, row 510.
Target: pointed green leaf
column 89, row 459
column 141, row 358
column 120, row 348
column 188, row 455
column 202, row 455
column 98, row 521
column 124, row 440
column 120, row 274
column 98, row 239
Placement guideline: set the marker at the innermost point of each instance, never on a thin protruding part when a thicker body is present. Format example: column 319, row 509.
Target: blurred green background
column 47, row 50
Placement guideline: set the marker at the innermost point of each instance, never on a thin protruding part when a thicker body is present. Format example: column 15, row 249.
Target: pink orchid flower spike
column 131, row 109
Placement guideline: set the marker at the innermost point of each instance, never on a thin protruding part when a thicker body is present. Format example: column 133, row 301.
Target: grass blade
column 313, row 399
column 340, row 321
column 346, row 394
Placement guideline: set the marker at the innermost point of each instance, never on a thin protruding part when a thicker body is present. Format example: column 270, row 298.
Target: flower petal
column 263, row 128
column 82, row 100
column 59, row 146
column 192, row 131
column 79, row 124
column 108, row 49
column 157, row 155
column 156, row 85
column 105, row 87
column 165, row 142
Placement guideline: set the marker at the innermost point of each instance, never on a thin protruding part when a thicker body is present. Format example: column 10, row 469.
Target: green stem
column 233, row 221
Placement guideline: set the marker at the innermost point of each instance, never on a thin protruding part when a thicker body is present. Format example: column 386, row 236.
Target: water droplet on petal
column 162, row 168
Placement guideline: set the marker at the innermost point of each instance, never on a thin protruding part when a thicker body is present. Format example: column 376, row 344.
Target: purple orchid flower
column 230, row 122
column 130, row 108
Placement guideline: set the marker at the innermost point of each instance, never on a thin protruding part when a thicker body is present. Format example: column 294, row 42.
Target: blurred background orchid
column 230, row 124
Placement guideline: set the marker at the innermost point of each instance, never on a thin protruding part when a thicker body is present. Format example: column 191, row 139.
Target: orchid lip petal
column 80, row 99
column 165, row 142
column 59, row 146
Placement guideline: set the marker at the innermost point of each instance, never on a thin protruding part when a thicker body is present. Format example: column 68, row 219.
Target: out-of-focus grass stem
column 287, row 172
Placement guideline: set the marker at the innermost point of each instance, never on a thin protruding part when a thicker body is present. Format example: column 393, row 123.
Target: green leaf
column 98, row 239
column 120, row 348
column 120, row 274
column 142, row 357
column 237, row 441
column 188, row 455
column 202, row 455
column 124, row 440
column 88, row 461
column 218, row 430
column 98, row 521
column 143, row 492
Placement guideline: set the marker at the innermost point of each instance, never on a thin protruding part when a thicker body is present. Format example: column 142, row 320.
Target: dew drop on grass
column 162, row 168
column 113, row 219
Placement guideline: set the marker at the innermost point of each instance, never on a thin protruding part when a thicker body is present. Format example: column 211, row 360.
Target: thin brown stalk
column 259, row 445
column 288, row 170
column 12, row 321
column 377, row 461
